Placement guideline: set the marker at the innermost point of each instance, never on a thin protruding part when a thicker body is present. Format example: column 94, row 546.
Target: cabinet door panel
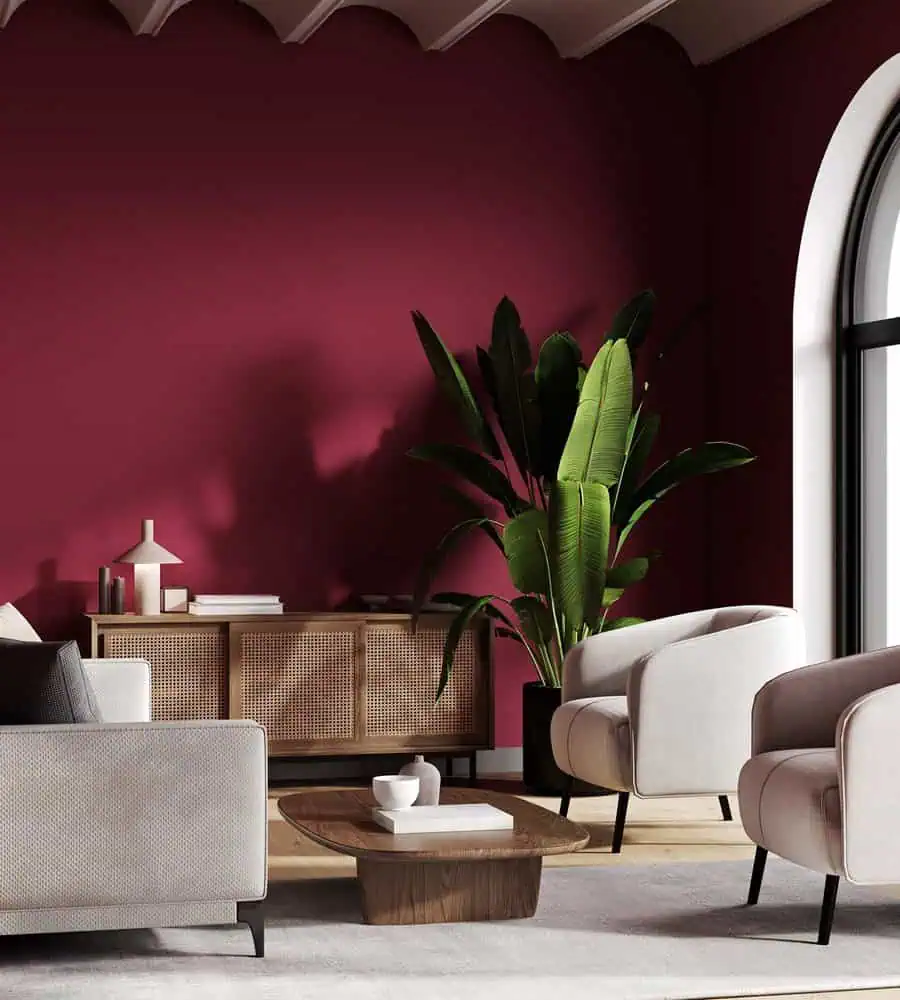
column 188, row 668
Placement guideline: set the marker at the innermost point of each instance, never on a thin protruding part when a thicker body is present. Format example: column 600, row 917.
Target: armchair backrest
column 599, row 667
column 690, row 701
column 800, row 709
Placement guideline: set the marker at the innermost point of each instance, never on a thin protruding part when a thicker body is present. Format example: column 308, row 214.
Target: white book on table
column 235, row 609
column 236, row 599
column 465, row 817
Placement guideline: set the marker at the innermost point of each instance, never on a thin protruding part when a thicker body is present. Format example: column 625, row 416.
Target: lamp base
column 146, row 589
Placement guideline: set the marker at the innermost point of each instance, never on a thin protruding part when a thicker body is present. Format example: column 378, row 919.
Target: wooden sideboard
column 322, row 684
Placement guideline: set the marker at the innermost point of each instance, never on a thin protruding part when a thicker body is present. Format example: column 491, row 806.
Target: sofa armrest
column 599, row 666
column 102, row 815
column 868, row 745
column 121, row 687
column 801, row 709
column 690, row 704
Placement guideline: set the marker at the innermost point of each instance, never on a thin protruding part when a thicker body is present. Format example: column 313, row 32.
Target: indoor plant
column 577, row 443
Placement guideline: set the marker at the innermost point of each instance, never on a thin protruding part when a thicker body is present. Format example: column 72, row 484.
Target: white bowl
column 395, row 791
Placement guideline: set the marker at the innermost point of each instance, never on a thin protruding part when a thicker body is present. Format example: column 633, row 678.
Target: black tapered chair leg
column 725, row 806
column 253, row 915
column 759, row 867
column 566, row 797
column 619, row 830
column 828, row 901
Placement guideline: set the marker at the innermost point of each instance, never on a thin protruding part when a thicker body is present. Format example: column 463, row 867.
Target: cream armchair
column 663, row 708
column 819, row 789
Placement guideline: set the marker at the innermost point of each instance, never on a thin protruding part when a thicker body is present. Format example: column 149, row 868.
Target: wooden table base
column 429, row 892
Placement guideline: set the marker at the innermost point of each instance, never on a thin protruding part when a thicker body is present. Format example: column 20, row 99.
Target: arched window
column 869, row 406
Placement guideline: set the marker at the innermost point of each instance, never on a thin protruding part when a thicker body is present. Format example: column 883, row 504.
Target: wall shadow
column 56, row 605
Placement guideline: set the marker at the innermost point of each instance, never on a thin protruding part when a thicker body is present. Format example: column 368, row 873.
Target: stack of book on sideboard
column 235, row 604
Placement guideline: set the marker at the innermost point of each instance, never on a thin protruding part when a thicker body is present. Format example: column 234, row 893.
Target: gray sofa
column 132, row 823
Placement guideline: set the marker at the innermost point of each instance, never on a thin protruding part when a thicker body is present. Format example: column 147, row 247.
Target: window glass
column 877, row 291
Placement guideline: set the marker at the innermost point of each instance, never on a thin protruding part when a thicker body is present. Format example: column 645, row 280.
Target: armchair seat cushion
column 591, row 739
column 790, row 804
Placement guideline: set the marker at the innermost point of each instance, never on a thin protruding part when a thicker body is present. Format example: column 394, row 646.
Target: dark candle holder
column 104, row 593
column 118, row 596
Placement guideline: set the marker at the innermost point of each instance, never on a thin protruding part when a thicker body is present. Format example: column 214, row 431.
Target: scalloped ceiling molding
column 7, row 9
column 710, row 29
column 577, row 27
column 707, row 29
column 146, row 17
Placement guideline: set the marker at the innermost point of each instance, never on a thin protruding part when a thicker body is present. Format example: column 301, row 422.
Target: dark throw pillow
column 42, row 683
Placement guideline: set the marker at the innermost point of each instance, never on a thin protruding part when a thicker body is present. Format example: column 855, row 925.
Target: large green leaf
column 535, row 618
column 633, row 320
column 508, row 633
column 459, row 600
column 433, row 562
column 712, row 456
column 475, row 468
column 579, row 531
column 510, row 355
column 525, row 540
column 488, row 377
column 611, row 595
column 632, row 521
column 641, row 440
column 628, row 573
column 595, row 450
column 617, row 623
column 557, row 379
column 455, row 633
column 455, row 386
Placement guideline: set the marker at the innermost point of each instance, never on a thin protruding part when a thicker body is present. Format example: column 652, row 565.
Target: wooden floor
column 658, row 830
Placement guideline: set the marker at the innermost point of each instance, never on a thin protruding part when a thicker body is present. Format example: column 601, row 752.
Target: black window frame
column 853, row 339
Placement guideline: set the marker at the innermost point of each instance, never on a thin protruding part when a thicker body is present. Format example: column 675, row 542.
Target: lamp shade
column 147, row 551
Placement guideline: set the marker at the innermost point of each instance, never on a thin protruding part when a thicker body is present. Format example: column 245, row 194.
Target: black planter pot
column 540, row 774
column 539, row 771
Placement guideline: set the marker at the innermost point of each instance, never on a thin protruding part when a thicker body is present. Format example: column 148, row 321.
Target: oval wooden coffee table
column 423, row 878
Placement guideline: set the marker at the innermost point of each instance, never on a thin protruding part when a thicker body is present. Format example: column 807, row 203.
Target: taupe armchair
column 820, row 789
column 663, row 708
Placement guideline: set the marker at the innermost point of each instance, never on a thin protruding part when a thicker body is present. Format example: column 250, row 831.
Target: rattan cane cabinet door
column 188, row 668
column 402, row 674
column 301, row 683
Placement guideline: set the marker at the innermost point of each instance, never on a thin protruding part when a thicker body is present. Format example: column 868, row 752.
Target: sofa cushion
column 14, row 625
column 591, row 740
column 790, row 804
column 42, row 683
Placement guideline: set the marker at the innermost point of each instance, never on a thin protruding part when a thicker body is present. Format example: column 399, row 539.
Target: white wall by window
column 815, row 296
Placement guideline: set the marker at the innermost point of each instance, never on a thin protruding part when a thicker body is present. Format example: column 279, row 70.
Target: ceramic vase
column 429, row 780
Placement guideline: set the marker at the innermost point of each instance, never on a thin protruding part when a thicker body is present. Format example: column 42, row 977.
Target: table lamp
column 146, row 557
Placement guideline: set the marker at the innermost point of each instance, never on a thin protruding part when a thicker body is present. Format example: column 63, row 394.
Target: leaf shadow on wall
column 326, row 501
column 57, row 605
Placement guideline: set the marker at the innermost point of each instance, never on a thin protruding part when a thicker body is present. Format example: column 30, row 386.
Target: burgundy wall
column 210, row 246
column 773, row 109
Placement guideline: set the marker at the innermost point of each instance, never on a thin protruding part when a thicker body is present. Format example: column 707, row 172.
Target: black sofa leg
column 828, row 901
column 566, row 797
column 253, row 916
column 725, row 806
column 759, row 867
column 619, row 830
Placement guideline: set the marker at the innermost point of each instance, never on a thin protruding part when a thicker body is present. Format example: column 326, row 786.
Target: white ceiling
column 707, row 29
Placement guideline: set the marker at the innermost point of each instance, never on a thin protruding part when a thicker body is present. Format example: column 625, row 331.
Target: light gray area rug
column 623, row 933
